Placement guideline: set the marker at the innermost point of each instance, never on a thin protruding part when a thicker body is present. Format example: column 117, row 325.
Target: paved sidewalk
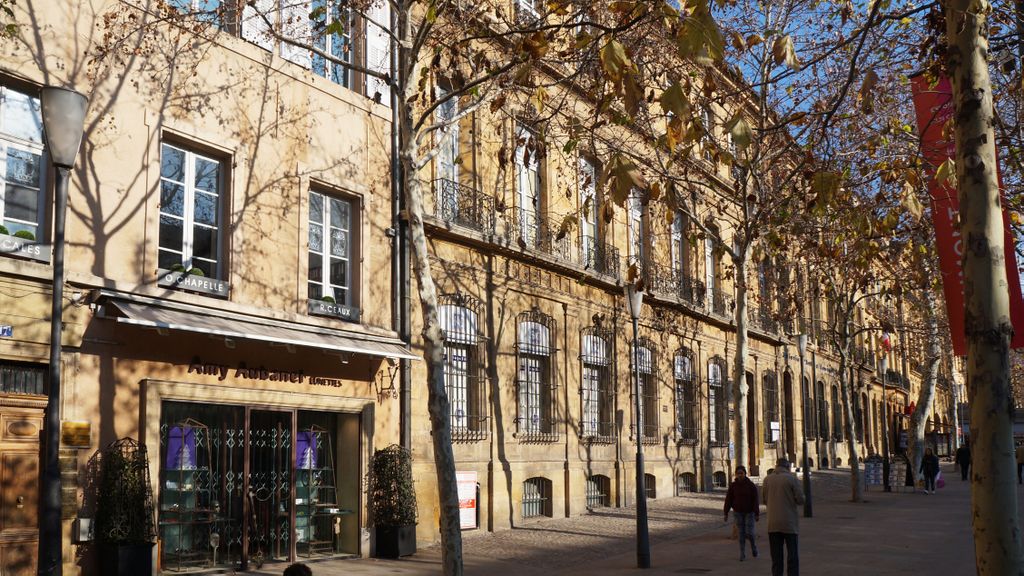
column 890, row 534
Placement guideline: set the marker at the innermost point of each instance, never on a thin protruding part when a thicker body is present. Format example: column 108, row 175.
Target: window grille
column 596, row 389
column 686, row 482
column 770, row 390
column 720, row 480
column 646, row 363
column 822, row 410
column 837, row 415
column 463, row 365
column 536, row 497
column 18, row 378
column 808, row 411
column 534, row 386
column 686, row 396
column 650, row 486
column 717, row 409
column 598, row 491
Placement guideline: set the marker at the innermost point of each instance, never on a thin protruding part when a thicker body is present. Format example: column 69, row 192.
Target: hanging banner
column 934, row 106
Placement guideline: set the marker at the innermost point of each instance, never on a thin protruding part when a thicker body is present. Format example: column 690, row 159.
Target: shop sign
column 193, row 282
column 75, row 434
column 24, row 248
column 334, row 310
column 466, row 483
column 243, row 372
column 6, row 331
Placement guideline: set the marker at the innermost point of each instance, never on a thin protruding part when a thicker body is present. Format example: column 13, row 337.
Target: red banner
column 934, row 105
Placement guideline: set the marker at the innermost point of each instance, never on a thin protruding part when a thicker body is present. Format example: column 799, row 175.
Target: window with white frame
column 707, row 137
column 191, row 202
column 635, row 227
column 212, row 11
column 680, row 247
column 463, row 366
column 22, row 165
column 534, row 386
column 711, row 262
column 528, row 185
column 596, row 388
column 686, row 395
column 529, row 7
column 332, row 35
column 447, row 137
column 717, row 411
column 589, row 204
column 772, row 425
column 645, row 365
column 331, row 249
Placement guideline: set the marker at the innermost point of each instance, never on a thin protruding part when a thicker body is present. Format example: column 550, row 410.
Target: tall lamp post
column 885, row 426
column 634, row 303
column 801, row 344
column 63, row 112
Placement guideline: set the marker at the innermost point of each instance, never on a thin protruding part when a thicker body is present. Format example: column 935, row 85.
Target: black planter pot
column 126, row 559
column 396, row 541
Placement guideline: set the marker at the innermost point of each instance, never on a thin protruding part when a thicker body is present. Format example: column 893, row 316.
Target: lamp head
column 801, row 344
column 63, row 123
column 634, row 300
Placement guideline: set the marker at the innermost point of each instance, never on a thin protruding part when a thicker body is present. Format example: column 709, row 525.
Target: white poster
column 466, row 482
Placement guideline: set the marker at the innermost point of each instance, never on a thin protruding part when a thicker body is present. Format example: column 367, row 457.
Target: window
column 463, row 365
column 711, row 262
column 536, row 497
column 716, row 402
column 720, row 480
column 212, row 11
column 686, row 396
column 686, row 483
column 589, row 209
column 447, row 137
column 598, row 491
column 330, row 249
column 190, row 211
column 528, row 7
column 650, row 486
column 535, row 389
column 645, row 364
column 22, row 167
column 823, row 429
column 17, row 378
column 772, row 425
column 338, row 44
column 528, row 186
column 636, row 230
column 837, row 415
column 808, row 411
column 707, row 137
column 680, row 247
column 596, row 388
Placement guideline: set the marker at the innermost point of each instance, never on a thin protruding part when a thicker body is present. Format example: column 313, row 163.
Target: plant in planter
column 4, row 230
column 196, row 271
column 392, row 499
column 25, row 234
column 328, row 299
column 178, row 268
column 124, row 528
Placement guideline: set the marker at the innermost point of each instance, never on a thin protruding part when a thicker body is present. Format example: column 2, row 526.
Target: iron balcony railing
column 600, row 257
column 533, row 231
column 672, row 282
column 458, row 204
column 722, row 304
column 762, row 317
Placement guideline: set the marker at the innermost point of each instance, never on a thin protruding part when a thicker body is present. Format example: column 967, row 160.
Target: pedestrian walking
column 1020, row 462
column 963, row 459
column 930, row 469
column 742, row 499
column 781, row 494
column 298, row 569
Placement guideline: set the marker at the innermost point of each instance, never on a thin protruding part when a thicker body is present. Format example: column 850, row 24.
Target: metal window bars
column 534, row 379
column 463, row 365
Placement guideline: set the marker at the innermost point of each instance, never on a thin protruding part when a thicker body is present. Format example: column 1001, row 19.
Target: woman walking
column 930, row 469
column 742, row 499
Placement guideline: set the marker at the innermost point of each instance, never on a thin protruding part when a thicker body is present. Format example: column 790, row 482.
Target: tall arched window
column 808, row 410
column 596, row 390
column 463, row 364
column 717, row 410
column 534, row 377
column 772, row 424
column 837, row 415
column 686, row 395
column 646, row 364
column 819, row 392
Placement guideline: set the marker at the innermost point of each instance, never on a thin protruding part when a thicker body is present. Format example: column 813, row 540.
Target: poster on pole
column 467, row 483
column 934, row 106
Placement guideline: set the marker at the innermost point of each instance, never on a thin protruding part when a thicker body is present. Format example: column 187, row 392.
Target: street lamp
column 885, row 427
column 63, row 112
column 634, row 303
column 801, row 344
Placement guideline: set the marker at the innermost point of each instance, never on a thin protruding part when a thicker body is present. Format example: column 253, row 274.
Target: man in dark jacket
column 781, row 493
column 963, row 459
column 929, row 469
column 742, row 499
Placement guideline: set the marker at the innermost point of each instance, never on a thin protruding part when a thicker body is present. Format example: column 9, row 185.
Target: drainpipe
column 400, row 282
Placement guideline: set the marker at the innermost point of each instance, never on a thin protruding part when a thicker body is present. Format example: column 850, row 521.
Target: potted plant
column 125, row 530
column 392, row 500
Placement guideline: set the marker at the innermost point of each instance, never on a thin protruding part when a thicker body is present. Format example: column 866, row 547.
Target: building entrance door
column 19, row 488
column 270, row 485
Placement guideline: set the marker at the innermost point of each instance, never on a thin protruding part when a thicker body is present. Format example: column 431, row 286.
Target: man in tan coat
column 781, row 493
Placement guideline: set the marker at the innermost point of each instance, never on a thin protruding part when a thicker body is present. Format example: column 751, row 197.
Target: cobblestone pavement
column 891, row 534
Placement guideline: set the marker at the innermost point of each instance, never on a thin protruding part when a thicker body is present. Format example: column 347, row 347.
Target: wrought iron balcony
column 762, row 317
column 535, row 232
column 675, row 283
column 600, row 257
column 722, row 304
column 461, row 205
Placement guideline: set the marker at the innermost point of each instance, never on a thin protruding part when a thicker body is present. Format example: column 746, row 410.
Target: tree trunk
column 438, row 405
column 740, row 362
column 926, row 394
column 987, row 314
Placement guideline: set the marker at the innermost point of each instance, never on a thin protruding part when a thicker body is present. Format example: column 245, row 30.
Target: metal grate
column 717, row 409
column 596, row 388
column 22, row 378
column 598, row 490
column 534, row 386
column 536, row 497
column 720, row 480
column 686, row 395
column 770, row 389
column 646, row 364
column 685, row 483
column 463, row 364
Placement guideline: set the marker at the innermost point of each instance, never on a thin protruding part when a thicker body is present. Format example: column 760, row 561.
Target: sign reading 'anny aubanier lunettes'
column 24, row 248
column 242, row 372
column 186, row 281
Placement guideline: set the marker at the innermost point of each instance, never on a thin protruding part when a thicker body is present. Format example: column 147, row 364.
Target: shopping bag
column 939, row 482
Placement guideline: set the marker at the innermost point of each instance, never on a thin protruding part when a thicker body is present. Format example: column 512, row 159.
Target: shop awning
column 195, row 319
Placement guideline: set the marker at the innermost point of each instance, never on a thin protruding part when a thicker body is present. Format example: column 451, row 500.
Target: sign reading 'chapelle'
column 243, row 372
column 196, row 283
